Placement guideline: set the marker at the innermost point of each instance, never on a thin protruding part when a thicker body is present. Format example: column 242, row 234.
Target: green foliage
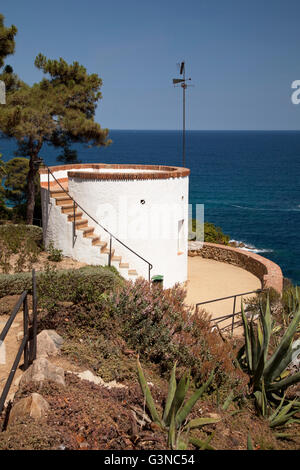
column 212, row 233
column 269, row 374
column 59, row 110
column 7, row 40
column 15, row 183
column 19, row 247
column 163, row 329
column 54, row 253
column 14, row 284
column 177, row 408
column 85, row 285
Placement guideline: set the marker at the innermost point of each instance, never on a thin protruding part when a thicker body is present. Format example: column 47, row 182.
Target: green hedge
column 32, row 232
column 64, row 285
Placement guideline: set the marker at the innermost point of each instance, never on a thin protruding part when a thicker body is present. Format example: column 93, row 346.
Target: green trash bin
column 158, row 280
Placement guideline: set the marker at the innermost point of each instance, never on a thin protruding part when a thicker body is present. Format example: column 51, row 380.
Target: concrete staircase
column 66, row 204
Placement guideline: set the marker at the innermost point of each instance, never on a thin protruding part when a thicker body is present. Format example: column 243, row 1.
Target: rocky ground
column 60, row 405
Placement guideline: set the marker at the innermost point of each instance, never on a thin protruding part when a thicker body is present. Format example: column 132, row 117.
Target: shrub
column 159, row 325
column 14, row 284
column 212, row 233
column 54, row 253
column 85, row 285
column 19, row 247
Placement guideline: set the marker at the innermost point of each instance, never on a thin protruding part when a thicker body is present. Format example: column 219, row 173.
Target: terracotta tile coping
column 159, row 171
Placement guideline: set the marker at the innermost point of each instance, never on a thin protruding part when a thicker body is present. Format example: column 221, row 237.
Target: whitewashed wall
column 150, row 229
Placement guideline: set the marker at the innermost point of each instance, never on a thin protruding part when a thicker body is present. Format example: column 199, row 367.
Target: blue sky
column 242, row 56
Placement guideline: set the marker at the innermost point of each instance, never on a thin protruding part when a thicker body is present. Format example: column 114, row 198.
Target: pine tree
column 59, row 110
column 7, row 40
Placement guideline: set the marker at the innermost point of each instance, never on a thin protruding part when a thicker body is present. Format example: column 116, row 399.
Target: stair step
column 106, row 251
column 124, row 265
column 58, row 193
column 117, row 258
column 98, row 242
column 88, row 232
column 61, row 201
column 78, row 215
column 81, row 224
column 132, row 272
column 69, row 209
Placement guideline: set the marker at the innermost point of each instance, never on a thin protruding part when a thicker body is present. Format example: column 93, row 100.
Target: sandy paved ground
column 209, row 279
column 12, row 343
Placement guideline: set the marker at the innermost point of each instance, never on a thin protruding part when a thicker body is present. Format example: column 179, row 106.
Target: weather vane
column 182, row 82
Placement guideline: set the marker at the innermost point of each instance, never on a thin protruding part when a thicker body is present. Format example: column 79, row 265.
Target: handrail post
column 74, row 222
column 233, row 314
column 110, row 246
column 34, row 319
column 25, row 328
column 48, row 186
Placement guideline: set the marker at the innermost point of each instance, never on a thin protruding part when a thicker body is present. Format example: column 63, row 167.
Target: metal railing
column 28, row 344
column 111, row 236
column 233, row 315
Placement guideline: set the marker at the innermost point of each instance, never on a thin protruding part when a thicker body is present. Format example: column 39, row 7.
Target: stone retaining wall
column 268, row 272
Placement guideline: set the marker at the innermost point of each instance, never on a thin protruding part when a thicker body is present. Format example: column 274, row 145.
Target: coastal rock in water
column 48, row 343
column 41, row 370
column 34, row 406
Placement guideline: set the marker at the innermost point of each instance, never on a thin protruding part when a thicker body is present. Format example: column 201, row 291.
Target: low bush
column 159, row 325
column 212, row 233
column 55, row 254
column 84, row 284
column 19, row 247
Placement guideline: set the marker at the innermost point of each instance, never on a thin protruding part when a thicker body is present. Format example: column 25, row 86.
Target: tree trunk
column 31, row 191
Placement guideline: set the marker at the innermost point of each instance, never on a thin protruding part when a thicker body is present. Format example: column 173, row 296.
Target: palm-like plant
column 174, row 418
column 269, row 374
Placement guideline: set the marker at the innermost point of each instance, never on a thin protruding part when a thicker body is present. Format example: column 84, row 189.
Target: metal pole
column 34, row 319
column 48, row 186
column 74, row 221
column 233, row 313
column 109, row 257
column 183, row 124
column 25, row 327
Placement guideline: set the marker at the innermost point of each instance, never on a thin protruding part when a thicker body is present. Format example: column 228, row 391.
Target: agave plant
column 174, row 417
column 269, row 374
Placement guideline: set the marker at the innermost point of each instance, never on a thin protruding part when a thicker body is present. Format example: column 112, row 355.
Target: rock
column 20, row 336
column 48, row 343
column 41, row 370
column 34, row 406
column 88, row 375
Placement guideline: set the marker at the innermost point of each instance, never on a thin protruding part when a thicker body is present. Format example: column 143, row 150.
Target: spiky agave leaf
column 198, row 422
column 179, row 395
column 187, row 407
column 248, row 349
column 147, row 394
column 249, row 442
column 277, row 360
column 171, row 393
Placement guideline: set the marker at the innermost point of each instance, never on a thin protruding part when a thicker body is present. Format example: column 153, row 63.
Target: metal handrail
column 28, row 344
column 234, row 314
column 150, row 266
